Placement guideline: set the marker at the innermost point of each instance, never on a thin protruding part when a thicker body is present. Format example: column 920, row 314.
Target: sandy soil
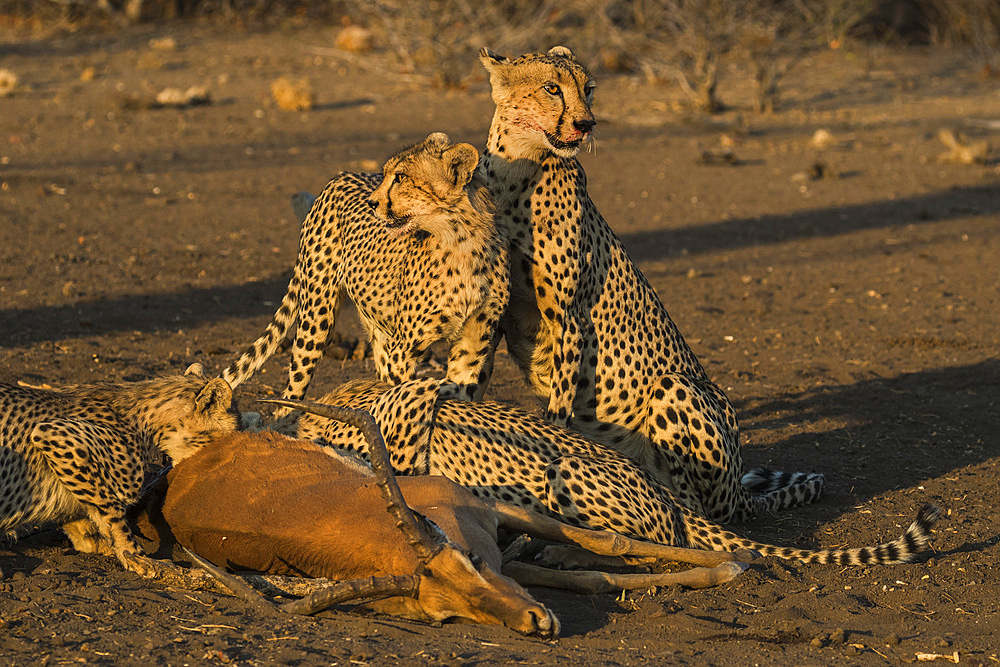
column 852, row 318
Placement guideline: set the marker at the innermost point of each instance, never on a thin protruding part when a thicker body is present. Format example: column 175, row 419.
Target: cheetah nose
column 585, row 125
column 372, row 204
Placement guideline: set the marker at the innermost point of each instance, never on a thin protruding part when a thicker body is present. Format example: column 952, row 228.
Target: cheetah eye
column 399, row 177
column 588, row 90
column 551, row 88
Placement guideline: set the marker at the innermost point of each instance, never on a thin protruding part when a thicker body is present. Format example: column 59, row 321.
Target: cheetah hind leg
column 85, row 537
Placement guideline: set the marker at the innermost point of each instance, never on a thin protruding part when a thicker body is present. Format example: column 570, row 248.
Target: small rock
column 8, row 82
column 838, row 636
column 292, row 95
column 892, row 640
column 163, row 44
column 822, row 138
column 175, row 97
column 354, row 38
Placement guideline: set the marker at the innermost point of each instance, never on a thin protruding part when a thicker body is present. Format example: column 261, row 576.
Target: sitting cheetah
column 415, row 248
column 506, row 454
column 585, row 326
column 76, row 455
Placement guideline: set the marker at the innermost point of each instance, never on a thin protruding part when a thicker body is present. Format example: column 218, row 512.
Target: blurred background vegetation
column 678, row 41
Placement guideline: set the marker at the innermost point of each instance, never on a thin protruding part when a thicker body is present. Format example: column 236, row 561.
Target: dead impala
column 265, row 502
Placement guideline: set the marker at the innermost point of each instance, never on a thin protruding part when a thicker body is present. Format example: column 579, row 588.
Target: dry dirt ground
column 853, row 319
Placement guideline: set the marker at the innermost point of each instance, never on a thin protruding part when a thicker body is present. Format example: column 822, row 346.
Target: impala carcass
column 505, row 454
column 267, row 503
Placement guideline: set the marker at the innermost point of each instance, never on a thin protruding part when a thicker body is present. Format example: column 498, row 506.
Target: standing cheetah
column 415, row 248
column 585, row 326
column 75, row 455
column 506, row 454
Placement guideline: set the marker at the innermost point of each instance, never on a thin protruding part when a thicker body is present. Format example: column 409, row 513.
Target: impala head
column 543, row 103
column 424, row 186
column 451, row 582
column 457, row 584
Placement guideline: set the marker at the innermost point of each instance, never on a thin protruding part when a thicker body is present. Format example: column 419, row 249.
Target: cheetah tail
column 267, row 344
column 914, row 540
column 765, row 480
column 779, row 490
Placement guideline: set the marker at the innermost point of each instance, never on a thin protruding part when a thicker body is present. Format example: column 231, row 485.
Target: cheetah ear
column 497, row 66
column 196, row 370
column 491, row 59
column 439, row 141
column 216, row 397
column 562, row 52
column 462, row 160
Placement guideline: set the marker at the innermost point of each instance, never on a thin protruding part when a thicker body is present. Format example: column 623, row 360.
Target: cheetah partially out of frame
column 585, row 326
column 75, row 455
column 416, row 250
column 506, row 454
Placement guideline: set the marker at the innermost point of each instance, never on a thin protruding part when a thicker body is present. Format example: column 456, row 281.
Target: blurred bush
column 682, row 41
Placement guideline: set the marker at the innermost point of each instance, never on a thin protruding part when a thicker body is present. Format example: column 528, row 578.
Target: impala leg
column 590, row 581
column 607, row 543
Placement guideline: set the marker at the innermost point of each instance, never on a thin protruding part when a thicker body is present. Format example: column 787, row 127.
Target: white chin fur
column 564, row 152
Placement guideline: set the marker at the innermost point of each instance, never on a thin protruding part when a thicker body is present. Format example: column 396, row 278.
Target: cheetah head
column 187, row 412
column 426, row 186
column 543, row 102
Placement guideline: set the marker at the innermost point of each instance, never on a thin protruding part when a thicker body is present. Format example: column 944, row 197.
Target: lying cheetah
column 415, row 248
column 506, row 454
column 584, row 325
column 75, row 455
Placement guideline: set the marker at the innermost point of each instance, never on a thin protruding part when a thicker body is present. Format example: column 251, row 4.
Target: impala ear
column 462, row 160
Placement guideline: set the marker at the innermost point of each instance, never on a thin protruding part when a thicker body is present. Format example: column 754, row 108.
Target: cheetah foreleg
column 470, row 360
column 316, row 323
column 566, row 356
column 97, row 468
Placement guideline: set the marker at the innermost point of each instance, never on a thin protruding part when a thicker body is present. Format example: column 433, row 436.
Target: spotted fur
column 587, row 329
column 75, row 455
column 416, row 250
column 506, row 454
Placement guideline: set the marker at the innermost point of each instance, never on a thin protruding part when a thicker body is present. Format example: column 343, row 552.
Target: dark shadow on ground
column 147, row 313
column 820, row 223
column 192, row 307
column 903, row 430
